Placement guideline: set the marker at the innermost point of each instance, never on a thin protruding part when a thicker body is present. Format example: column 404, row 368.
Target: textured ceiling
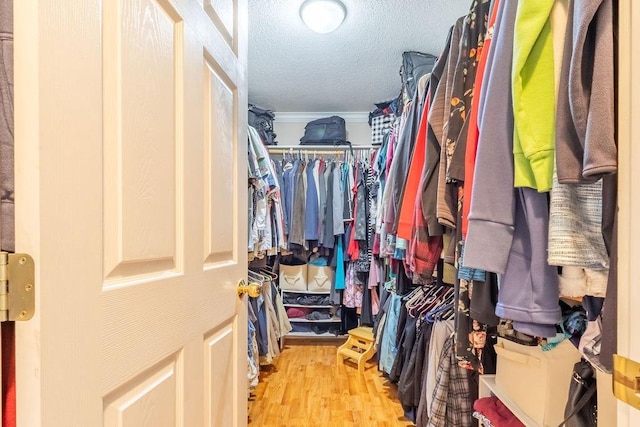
column 293, row 69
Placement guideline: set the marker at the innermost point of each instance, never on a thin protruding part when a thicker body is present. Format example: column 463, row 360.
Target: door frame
column 628, row 191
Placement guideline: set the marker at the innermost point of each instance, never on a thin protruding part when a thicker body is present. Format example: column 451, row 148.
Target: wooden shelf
column 574, row 300
column 489, row 387
column 310, row 334
column 294, row 291
column 308, row 306
column 302, row 320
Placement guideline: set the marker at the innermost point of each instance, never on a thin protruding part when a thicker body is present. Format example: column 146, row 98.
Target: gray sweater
column 492, row 212
column 585, row 123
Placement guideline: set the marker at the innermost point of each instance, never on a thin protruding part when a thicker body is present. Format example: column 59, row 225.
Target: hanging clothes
column 484, row 52
column 388, row 347
column 312, row 212
column 451, row 404
column 353, row 289
column 266, row 217
column 585, row 124
column 471, row 41
column 414, row 174
column 462, row 182
column 533, row 95
column 493, row 182
column 445, row 198
column 253, row 363
column 322, row 199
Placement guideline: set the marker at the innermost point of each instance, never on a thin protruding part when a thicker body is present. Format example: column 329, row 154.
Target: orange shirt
column 414, row 175
column 473, row 133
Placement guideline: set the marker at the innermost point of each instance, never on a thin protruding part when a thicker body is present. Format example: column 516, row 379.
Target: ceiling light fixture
column 323, row 16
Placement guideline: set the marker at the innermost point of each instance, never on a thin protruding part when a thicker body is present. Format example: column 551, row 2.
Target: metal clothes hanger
column 412, row 297
column 256, row 277
column 437, row 297
column 444, row 304
column 445, row 312
column 417, row 296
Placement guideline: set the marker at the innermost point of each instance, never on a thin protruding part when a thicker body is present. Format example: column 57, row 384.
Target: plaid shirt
column 451, row 405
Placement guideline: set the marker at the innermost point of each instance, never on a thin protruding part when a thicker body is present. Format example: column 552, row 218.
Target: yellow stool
column 359, row 347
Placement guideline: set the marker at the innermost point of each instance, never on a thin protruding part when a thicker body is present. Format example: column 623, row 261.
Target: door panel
column 220, row 105
column 223, row 14
column 220, row 371
column 142, row 58
column 152, row 399
column 130, row 117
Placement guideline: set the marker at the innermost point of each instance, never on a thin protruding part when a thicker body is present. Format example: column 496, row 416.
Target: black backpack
column 414, row 66
column 325, row 131
column 262, row 121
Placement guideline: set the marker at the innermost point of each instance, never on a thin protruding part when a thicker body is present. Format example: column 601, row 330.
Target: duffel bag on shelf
column 325, row 131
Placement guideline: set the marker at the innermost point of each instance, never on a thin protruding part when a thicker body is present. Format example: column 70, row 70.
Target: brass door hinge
column 17, row 287
column 626, row 380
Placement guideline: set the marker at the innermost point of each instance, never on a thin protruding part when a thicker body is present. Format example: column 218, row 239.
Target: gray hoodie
column 508, row 227
column 585, row 123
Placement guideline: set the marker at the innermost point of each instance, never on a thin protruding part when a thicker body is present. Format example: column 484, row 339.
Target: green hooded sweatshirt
column 532, row 77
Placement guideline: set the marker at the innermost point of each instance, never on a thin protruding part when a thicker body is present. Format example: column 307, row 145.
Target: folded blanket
column 495, row 411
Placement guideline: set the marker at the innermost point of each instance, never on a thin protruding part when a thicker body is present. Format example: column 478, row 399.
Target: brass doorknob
column 252, row 289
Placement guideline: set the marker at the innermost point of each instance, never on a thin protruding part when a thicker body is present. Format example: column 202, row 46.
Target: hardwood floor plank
column 305, row 388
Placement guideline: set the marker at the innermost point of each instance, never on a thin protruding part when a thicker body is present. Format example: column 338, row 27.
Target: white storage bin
column 293, row 277
column 535, row 380
column 319, row 278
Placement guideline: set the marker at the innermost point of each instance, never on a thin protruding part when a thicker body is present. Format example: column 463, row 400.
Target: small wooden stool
column 358, row 347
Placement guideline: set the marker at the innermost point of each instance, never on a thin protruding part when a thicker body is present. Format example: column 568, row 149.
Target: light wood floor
column 305, row 388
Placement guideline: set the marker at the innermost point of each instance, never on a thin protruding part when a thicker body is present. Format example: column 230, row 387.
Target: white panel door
column 628, row 193
column 131, row 197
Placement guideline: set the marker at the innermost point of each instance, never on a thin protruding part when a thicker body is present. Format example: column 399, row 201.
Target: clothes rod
column 287, row 148
column 323, row 152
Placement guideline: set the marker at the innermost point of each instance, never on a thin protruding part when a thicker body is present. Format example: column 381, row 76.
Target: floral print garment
column 471, row 42
column 354, row 288
column 471, row 335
